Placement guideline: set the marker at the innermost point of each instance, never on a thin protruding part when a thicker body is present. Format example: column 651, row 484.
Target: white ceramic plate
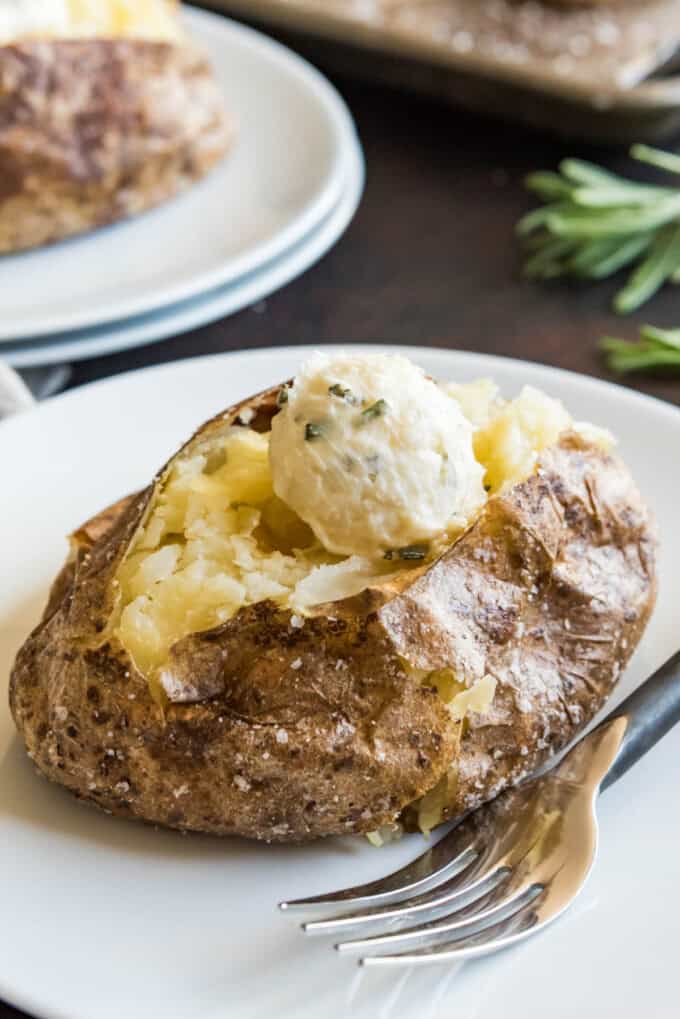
column 208, row 307
column 283, row 175
column 105, row 919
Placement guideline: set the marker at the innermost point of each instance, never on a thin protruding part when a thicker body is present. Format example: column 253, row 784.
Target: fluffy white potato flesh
column 373, row 455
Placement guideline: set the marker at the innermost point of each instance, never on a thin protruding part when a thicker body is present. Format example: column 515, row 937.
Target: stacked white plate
column 278, row 202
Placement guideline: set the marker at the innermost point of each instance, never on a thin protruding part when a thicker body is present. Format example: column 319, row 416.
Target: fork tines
column 463, row 892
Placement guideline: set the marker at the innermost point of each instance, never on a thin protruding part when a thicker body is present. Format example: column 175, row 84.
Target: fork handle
column 650, row 712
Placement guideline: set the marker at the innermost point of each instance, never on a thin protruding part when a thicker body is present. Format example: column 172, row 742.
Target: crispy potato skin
column 94, row 131
column 549, row 591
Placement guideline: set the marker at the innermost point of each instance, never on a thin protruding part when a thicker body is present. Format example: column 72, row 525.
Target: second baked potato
column 101, row 117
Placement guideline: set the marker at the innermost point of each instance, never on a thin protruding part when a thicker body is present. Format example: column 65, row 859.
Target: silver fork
column 511, row 867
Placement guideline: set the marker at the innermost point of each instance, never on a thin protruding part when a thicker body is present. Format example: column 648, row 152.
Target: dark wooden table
column 430, row 259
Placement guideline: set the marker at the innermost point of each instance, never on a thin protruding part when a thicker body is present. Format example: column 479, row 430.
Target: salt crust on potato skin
column 548, row 591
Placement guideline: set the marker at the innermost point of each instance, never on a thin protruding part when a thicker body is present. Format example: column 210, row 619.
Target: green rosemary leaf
column 601, row 258
column 656, row 157
column 549, row 185
column 313, row 431
column 411, row 553
column 547, row 258
column 625, row 252
column 538, row 217
column 662, row 260
column 656, row 349
column 591, row 223
column 376, row 410
column 590, row 255
column 662, row 337
column 642, row 360
column 619, row 195
column 579, row 171
column 342, row 392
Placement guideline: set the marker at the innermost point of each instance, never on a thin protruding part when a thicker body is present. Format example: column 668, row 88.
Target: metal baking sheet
column 580, row 70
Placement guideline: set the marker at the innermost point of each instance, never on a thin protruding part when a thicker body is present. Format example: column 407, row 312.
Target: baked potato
column 206, row 663
column 106, row 110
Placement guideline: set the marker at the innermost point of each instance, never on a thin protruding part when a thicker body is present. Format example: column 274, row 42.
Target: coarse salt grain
column 579, row 45
column 462, row 42
column 297, row 664
column 607, row 33
column 563, row 64
column 281, row 736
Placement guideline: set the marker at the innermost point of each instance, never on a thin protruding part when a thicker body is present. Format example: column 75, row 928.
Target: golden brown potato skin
column 97, row 130
column 549, row 591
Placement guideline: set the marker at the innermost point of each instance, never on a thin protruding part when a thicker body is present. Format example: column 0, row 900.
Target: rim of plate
column 220, row 303
column 343, row 131
column 301, row 351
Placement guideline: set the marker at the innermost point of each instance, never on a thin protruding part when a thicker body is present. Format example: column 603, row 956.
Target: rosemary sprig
column 595, row 223
column 656, row 348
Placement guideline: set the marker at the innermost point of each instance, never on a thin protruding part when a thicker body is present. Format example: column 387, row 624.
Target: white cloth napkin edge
column 15, row 395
